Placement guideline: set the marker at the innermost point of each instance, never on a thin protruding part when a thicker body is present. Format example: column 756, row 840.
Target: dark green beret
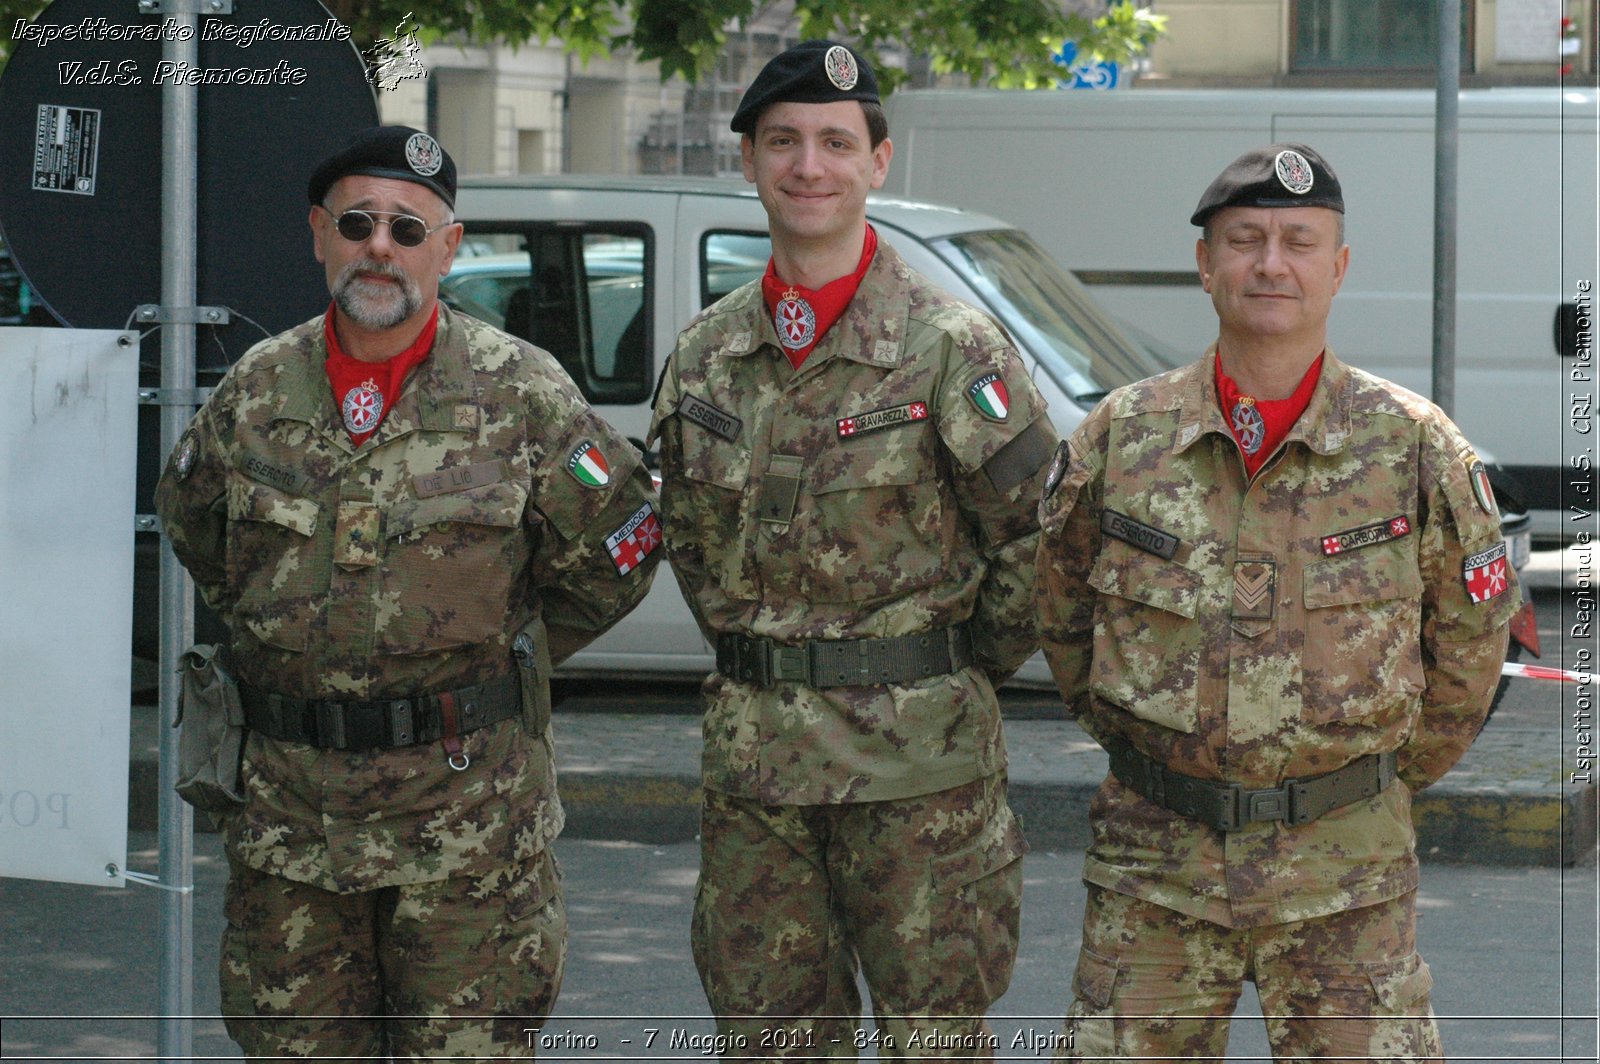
column 1279, row 175
column 810, row 72
column 397, row 152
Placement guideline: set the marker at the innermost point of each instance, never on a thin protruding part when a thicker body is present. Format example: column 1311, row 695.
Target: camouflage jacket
column 402, row 567
column 919, row 445
column 1266, row 630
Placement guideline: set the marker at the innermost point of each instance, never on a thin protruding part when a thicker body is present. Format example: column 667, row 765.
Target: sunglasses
column 407, row 230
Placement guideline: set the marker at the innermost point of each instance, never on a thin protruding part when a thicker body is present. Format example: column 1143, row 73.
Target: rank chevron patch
column 1252, row 590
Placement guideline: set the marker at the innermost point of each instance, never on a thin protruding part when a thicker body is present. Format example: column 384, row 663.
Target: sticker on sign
column 66, row 149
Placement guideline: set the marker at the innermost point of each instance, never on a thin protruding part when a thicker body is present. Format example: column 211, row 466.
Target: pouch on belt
column 210, row 731
column 531, row 651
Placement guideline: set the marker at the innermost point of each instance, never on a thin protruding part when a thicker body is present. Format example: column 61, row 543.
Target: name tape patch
column 274, row 476
column 888, row 417
column 1138, row 534
column 1366, row 535
column 427, row 485
column 708, row 417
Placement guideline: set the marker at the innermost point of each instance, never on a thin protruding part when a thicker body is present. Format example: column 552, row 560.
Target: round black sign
column 280, row 87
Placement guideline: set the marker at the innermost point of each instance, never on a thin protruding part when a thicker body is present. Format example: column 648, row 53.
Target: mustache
column 382, row 269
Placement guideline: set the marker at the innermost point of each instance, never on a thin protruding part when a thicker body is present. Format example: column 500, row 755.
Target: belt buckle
column 401, row 722
column 752, row 660
column 364, row 725
column 792, row 664
column 329, row 717
column 1270, row 803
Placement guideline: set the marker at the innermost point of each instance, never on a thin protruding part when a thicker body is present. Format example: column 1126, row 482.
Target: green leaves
column 1004, row 43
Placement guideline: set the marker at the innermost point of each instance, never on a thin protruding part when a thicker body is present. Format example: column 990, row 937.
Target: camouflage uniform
column 402, row 567
column 908, row 511
column 1299, row 622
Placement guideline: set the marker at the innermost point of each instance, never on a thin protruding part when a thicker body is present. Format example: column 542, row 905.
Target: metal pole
column 1445, row 154
column 179, row 140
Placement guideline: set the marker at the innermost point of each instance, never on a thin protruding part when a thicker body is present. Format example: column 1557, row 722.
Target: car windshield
column 1048, row 312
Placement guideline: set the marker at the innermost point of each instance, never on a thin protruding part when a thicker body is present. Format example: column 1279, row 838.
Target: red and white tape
column 1544, row 672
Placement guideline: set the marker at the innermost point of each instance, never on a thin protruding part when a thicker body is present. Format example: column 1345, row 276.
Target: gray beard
column 376, row 305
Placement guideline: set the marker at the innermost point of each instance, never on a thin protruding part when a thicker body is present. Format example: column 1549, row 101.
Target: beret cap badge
column 1294, row 172
column 841, row 67
column 1278, row 175
column 396, row 153
column 424, row 155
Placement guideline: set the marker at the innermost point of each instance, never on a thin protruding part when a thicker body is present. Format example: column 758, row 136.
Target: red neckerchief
column 1276, row 416
column 365, row 392
column 825, row 305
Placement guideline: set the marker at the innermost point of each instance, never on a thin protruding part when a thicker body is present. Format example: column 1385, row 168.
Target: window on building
column 583, row 293
column 1372, row 36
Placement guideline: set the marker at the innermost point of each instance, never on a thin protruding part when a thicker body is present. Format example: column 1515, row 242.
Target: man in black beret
column 405, row 517
column 851, row 461
column 1274, row 588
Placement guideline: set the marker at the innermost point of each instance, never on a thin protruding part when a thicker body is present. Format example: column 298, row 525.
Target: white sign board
column 1527, row 31
column 68, row 410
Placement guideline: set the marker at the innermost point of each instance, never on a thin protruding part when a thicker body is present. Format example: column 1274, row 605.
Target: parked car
column 604, row 272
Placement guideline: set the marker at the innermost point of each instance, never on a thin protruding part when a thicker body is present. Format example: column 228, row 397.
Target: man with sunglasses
column 405, row 517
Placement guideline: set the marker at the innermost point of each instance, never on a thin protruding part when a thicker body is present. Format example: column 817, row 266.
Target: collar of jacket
column 428, row 401
column 866, row 332
column 1324, row 427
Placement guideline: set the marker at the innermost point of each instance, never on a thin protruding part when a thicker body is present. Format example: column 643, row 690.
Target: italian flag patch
column 589, row 466
column 988, row 393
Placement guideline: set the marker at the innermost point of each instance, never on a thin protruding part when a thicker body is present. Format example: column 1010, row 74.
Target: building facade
column 1350, row 43
column 535, row 109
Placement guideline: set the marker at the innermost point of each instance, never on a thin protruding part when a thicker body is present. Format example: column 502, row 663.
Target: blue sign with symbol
column 1086, row 75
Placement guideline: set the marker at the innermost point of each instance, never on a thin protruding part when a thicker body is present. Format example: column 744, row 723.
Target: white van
column 1107, row 180
column 604, row 272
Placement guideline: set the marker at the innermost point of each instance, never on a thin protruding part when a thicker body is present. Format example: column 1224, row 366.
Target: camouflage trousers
column 924, row 894
column 461, row 967
column 1153, row 984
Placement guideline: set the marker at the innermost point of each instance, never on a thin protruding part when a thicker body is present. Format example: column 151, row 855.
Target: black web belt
column 845, row 662
column 382, row 722
column 1229, row 807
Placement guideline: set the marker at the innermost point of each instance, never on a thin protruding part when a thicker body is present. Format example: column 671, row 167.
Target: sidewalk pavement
column 1512, row 952
column 1518, row 797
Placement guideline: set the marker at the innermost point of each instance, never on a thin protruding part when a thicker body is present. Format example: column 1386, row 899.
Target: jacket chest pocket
column 874, row 525
column 1362, row 652
column 449, row 567
column 274, row 572
column 713, row 502
column 1147, row 643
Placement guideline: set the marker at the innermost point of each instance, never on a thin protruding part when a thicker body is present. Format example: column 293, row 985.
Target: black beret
column 1279, row 175
column 810, row 72
column 397, row 152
